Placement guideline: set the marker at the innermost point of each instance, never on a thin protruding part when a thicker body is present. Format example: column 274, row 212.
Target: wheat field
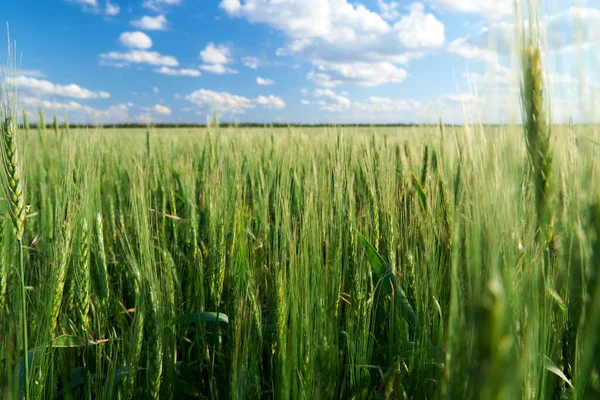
column 302, row 263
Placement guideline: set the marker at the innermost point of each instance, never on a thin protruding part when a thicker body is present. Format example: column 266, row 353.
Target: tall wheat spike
column 41, row 126
column 14, row 183
column 55, row 125
column 64, row 251
column 13, row 187
column 3, row 269
column 26, row 124
column 102, row 272
column 537, row 129
column 82, row 272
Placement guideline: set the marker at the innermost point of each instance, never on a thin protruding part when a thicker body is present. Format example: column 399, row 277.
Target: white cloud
column 216, row 54
column 340, row 109
column 44, row 87
column 29, row 72
column 163, row 110
column 140, row 57
column 93, row 7
column 419, row 30
column 487, row 43
column 178, row 71
column 309, row 18
column 373, row 109
column 335, row 33
column 218, row 69
column 216, row 58
column 564, row 31
column 158, row 5
column 357, row 73
column 264, row 82
column 226, row 103
column 388, row 105
column 255, row 62
column 270, row 102
column 91, row 3
column 155, row 89
column 389, row 10
column 78, row 113
column 488, row 8
column 136, row 40
column 332, row 95
column 251, row 62
column 464, row 48
column 221, row 102
column 232, row 7
column 147, row 23
column 116, row 64
column 339, row 103
column 112, row 9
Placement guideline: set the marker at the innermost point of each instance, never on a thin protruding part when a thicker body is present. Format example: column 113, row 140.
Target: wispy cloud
column 160, row 5
column 140, row 57
column 178, row 72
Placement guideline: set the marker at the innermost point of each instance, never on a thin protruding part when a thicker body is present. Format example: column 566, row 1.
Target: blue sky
column 312, row 61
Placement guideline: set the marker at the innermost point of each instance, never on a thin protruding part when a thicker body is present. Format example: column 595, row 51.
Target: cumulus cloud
column 163, row 110
column 155, row 89
column 216, row 58
column 44, row 87
column 147, row 23
column 213, row 54
column 178, row 71
column 270, row 102
column 332, row 34
column 419, row 30
column 140, row 57
column 226, row 103
column 264, row 81
column 222, row 102
column 136, row 40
